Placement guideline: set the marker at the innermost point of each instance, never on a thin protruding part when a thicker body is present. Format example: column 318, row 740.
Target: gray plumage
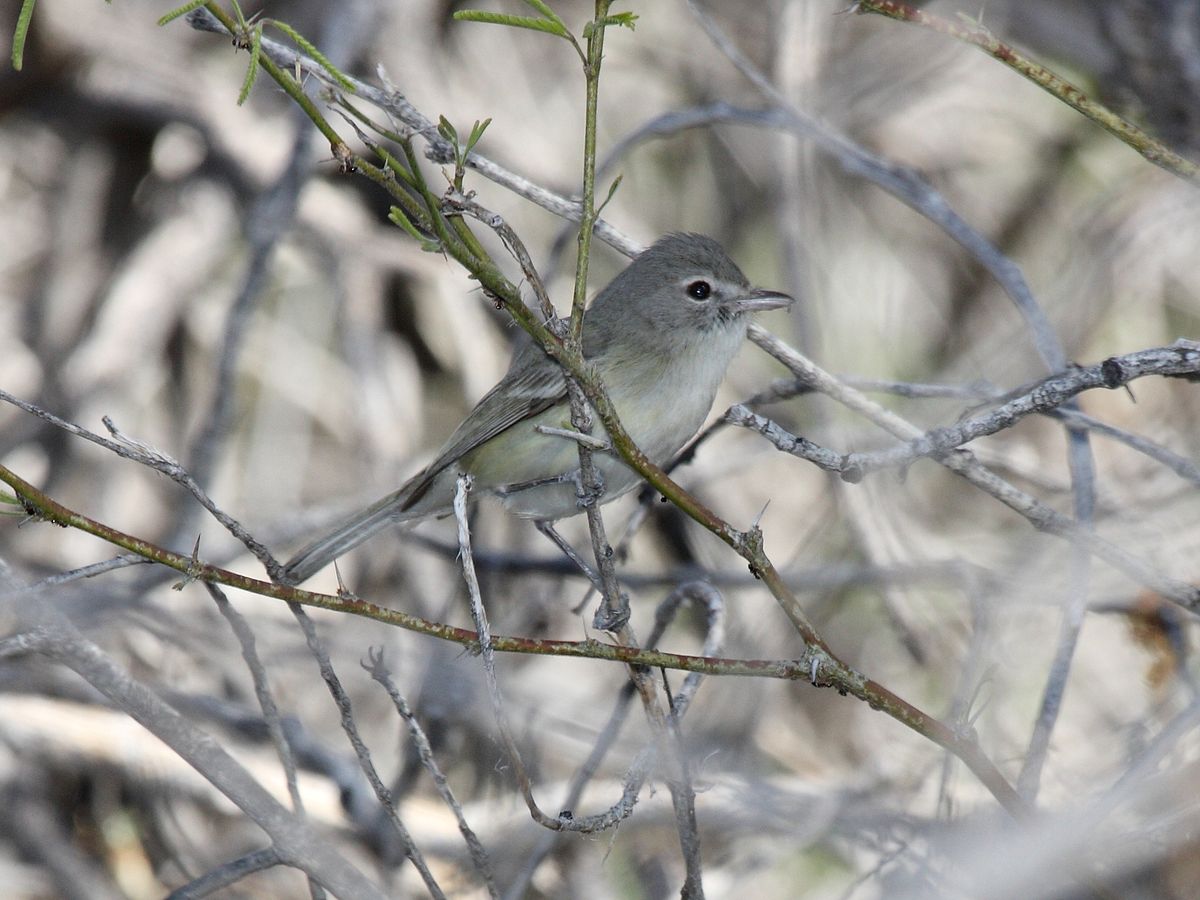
column 661, row 350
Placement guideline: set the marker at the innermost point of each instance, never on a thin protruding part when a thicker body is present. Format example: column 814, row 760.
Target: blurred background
column 200, row 272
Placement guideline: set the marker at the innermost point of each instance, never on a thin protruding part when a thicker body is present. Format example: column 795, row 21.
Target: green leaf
column 238, row 14
column 446, row 130
column 545, row 10
column 252, row 72
column 612, row 189
column 20, row 33
column 477, row 131
column 533, row 24
column 398, row 217
column 311, row 49
column 181, row 11
column 621, row 20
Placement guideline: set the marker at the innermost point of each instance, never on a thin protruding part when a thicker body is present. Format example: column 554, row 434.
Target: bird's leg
column 588, row 494
column 546, row 527
column 504, row 490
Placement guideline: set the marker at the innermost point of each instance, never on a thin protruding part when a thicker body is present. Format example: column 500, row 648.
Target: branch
column 1180, row 358
column 293, row 840
column 975, row 34
column 378, row 670
column 815, row 664
column 439, row 149
column 141, row 452
column 963, row 463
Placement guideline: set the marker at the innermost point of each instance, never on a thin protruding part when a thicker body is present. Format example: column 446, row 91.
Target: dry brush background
column 139, row 200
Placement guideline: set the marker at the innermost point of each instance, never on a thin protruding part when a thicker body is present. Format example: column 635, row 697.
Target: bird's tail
column 347, row 536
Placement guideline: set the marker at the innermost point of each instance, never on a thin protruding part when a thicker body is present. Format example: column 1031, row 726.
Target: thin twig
column 227, row 874
column 140, row 452
column 784, row 389
column 487, row 653
column 964, row 463
column 975, row 34
column 295, row 842
column 1049, row 394
column 91, row 571
column 1180, row 465
column 378, row 671
column 342, row 700
column 513, row 242
column 664, row 614
column 262, row 690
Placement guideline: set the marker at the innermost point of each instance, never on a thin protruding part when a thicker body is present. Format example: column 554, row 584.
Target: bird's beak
column 759, row 299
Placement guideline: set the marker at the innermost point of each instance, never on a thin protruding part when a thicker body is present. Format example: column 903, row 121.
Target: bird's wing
column 533, row 384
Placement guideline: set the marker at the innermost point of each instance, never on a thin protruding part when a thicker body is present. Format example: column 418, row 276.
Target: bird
column 660, row 336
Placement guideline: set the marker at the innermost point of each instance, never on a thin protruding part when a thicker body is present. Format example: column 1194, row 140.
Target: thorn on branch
column 821, row 669
column 194, row 570
column 344, row 593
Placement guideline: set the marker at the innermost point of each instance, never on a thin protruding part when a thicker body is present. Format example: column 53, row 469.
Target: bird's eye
column 699, row 290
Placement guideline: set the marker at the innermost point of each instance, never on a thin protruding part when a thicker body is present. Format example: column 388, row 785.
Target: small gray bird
column 660, row 335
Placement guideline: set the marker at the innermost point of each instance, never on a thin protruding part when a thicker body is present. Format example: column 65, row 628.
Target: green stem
column 587, row 219
column 386, row 179
column 339, row 148
column 41, row 506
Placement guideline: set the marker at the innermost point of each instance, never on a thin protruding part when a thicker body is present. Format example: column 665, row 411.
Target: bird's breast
column 662, row 398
